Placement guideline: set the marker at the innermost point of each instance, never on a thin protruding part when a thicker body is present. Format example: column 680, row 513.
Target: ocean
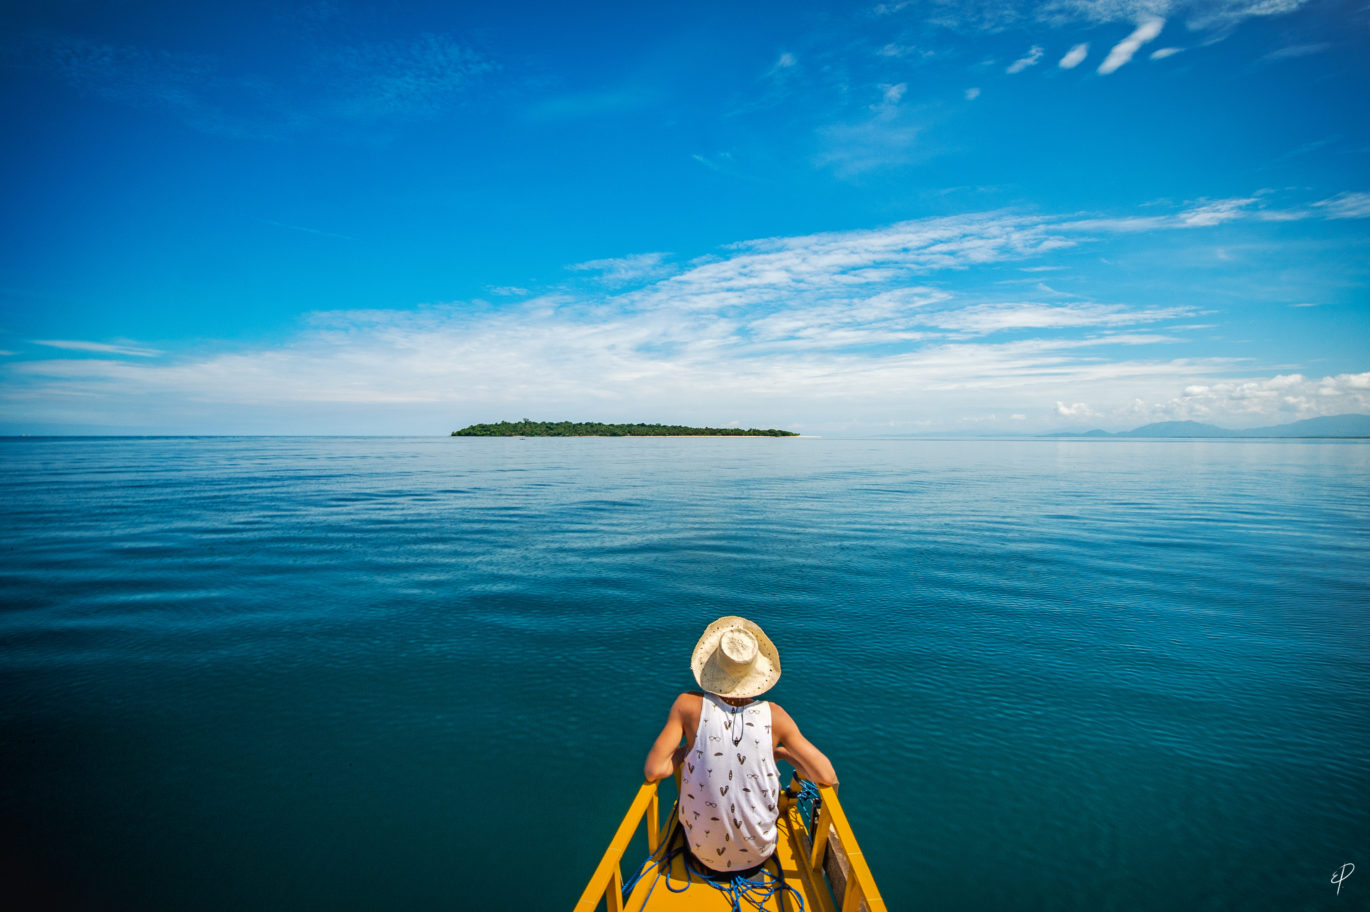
column 389, row 673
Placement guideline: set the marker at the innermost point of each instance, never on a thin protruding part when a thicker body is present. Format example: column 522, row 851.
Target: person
column 729, row 784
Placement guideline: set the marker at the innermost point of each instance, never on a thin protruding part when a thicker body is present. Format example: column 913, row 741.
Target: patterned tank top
column 729, row 786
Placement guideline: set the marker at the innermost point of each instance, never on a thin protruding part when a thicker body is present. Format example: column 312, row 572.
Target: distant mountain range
column 1330, row 426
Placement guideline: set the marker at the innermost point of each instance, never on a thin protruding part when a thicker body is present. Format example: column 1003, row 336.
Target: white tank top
column 729, row 786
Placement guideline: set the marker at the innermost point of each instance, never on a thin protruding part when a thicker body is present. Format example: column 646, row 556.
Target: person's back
column 730, row 786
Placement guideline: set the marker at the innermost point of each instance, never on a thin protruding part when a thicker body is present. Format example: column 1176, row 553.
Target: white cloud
column 1075, row 411
column 1216, row 212
column 1122, row 51
column 411, row 77
column 904, row 50
column 1346, row 206
column 1027, row 60
column 103, row 348
column 887, row 139
column 1074, row 57
column 721, row 162
column 620, row 270
column 972, row 94
column 982, row 319
column 1163, row 53
column 839, row 328
column 1297, row 50
column 783, row 68
column 1196, row 13
column 997, row 16
column 1218, row 13
column 1270, row 400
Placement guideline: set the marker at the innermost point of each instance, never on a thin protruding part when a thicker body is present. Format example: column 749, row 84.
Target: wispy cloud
column 783, row 67
column 103, row 348
column 890, row 95
column 885, row 137
column 1076, row 410
column 1346, row 206
column 985, row 319
column 1282, row 397
column 352, row 81
column 414, row 77
column 1122, row 51
column 1196, row 13
column 905, row 50
column 839, row 327
column 1297, row 50
column 619, row 270
column 1163, row 53
column 1219, row 13
column 1074, row 57
column 1029, row 59
column 1241, row 403
column 1217, row 211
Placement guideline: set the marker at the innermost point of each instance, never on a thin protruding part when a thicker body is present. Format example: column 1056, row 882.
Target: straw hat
column 735, row 658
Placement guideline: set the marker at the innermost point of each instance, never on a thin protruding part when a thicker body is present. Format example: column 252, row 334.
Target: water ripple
column 1121, row 674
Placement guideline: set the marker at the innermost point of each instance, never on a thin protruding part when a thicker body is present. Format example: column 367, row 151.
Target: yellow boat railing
column 607, row 881
column 825, row 846
column 852, row 879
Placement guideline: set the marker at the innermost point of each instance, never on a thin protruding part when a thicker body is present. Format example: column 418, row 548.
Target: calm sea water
column 423, row 673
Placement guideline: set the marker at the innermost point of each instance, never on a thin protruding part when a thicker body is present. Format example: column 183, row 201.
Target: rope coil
column 739, row 890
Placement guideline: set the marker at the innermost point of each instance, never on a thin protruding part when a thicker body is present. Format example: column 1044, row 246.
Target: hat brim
column 711, row 676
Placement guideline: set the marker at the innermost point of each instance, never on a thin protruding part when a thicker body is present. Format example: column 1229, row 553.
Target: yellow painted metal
column 794, row 851
column 861, row 889
column 607, row 881
column 820, row 837
column 653, row 822
column 798, row 856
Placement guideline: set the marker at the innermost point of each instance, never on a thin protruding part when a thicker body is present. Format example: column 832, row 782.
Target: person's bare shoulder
column 688, row 708
column 780, row 718
column 689, row 703
column 783, row 728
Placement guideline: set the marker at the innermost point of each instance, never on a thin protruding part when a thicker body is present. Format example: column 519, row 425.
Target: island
column 529, row 428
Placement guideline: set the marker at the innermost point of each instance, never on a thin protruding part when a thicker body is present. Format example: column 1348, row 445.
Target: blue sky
column 899, row 217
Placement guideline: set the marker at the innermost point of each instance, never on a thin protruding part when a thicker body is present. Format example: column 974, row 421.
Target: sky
column 906, row 217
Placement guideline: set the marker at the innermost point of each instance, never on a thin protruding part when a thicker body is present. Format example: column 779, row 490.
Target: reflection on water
column 384, row 673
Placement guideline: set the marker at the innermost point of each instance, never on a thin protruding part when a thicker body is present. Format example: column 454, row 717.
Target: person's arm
column 796, row 750
column 667, row 751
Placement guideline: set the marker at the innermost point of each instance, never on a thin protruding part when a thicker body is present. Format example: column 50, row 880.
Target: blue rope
column 807, row 802
column 738, row 889
column 663, row 846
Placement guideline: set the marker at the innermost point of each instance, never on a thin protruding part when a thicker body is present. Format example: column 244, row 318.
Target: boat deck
column 653, row 892
column 817, row 854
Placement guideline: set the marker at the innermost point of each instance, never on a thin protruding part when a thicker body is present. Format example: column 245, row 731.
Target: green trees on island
column 530, row 428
